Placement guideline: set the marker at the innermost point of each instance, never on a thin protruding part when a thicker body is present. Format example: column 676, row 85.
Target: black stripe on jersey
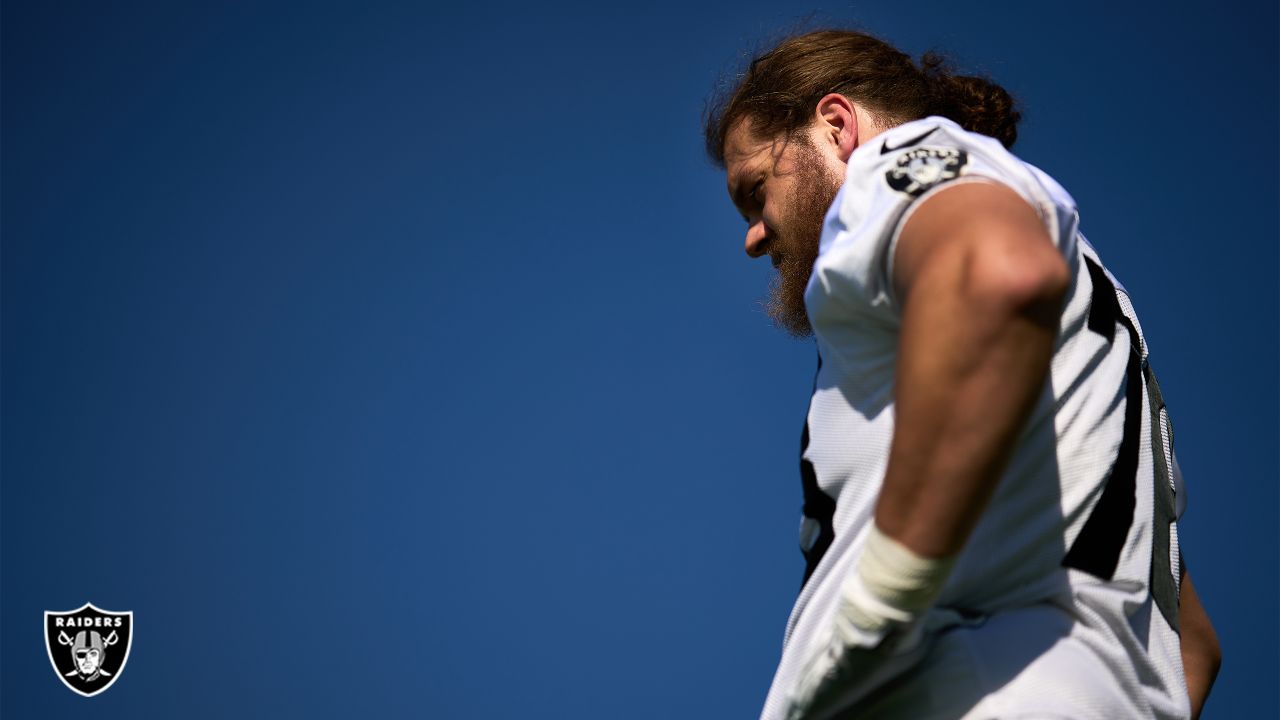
column 1163, row 587
column 1104, row 309
column 1097, row 549
column 817, row 504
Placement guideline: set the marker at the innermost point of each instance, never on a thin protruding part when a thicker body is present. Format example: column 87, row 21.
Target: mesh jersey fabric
column 1087, row 504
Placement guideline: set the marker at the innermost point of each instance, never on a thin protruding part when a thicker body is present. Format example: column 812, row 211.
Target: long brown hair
column 780, row 89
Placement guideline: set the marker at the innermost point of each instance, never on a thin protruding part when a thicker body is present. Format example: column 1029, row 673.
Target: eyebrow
column 737, row 192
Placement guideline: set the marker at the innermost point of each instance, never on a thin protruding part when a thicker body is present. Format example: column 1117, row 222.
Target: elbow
column 1202, row 653
column 1213, row 656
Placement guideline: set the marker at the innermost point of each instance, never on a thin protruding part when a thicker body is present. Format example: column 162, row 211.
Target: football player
column 990, row 489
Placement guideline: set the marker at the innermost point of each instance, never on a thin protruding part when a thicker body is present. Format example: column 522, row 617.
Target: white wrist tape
column 891, row 584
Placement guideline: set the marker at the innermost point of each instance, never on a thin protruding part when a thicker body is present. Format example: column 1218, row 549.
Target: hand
column 832, row 670
column 854, row 656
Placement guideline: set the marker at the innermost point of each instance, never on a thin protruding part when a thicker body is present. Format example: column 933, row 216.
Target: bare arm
column 981, row 285
column 1201, row 654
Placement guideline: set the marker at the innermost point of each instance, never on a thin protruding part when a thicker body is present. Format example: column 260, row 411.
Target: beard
column 795, row 246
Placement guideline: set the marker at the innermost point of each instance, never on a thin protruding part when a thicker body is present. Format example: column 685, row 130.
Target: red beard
column 795, row 246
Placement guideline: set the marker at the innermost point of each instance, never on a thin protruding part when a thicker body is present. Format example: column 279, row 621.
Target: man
column 990, row 490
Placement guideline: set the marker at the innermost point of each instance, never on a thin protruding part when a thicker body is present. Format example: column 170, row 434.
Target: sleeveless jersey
column 1084, row 513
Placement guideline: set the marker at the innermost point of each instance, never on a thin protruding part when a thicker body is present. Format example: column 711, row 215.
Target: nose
column 758, row 239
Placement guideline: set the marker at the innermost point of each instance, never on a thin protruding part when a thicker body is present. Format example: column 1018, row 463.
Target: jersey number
column 1098, row 547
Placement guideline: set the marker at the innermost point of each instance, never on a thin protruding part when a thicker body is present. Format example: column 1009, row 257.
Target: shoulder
column 897, row 168
column 983, row 234
column 896, row 173
column 962, row 192
column 914, row 157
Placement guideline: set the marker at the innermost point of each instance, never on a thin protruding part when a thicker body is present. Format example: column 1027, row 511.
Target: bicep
column 981, row 234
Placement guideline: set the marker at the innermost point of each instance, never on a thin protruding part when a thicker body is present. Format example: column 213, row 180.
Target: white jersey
column 1082, row 523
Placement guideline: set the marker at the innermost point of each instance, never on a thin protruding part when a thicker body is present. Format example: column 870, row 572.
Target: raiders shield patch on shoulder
column 88, row 647
column 920, row 169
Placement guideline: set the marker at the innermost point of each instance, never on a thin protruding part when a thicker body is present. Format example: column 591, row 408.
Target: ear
column 838, row 124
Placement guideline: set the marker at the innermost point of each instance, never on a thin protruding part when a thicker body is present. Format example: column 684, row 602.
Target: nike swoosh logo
column 885, row 149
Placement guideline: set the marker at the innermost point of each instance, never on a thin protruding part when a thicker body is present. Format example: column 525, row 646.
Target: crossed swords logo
column 88, row 647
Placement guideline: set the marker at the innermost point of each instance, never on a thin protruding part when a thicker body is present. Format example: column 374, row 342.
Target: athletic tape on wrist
column 891, row 584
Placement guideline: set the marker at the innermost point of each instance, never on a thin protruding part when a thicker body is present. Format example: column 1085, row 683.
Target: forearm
column 1201, row 655
column 973, row 359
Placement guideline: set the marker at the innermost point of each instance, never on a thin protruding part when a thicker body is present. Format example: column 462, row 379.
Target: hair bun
column 975, row 103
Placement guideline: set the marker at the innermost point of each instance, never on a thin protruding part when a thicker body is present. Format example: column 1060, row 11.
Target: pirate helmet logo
column 88, row 647
column 920, row 169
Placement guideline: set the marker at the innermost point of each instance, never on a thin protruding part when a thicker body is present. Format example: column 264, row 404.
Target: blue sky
column 404, row 361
